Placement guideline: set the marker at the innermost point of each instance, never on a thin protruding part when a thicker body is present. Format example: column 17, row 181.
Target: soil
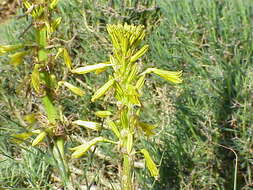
column 7, row 9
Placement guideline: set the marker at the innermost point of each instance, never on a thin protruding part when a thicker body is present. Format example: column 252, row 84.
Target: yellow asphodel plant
column 126, row 82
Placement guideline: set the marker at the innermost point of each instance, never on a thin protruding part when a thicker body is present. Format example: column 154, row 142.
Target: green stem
column 51, row 110
column 126, row 177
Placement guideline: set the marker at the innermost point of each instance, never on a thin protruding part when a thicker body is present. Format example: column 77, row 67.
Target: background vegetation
column 205, row 126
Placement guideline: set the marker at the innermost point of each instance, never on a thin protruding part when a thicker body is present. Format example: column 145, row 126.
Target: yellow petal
column 139, row 53
column 53, row 4
column 35, row 78
column 87, row 124
column 114, row 128
column 147, row 128
column 102, row 90
column 103, row 114
column 150, row 164
column 79, row 151
column 133, row 73
column 17, row 58
column 67, row 59
column 140, row 82
column 8, row 48
column 90, row 68
column 129, row 143
column 39, row 138
column 172, row 76
column 21, row 137
column 73, row 88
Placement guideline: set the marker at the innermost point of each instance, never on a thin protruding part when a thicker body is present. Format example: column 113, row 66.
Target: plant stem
column 51, row 110
column 127, row 180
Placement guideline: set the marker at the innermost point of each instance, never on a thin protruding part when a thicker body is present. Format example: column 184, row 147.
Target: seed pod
column 21, row 137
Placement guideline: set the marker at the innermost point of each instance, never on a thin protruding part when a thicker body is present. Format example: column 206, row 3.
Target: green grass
column 211, row 41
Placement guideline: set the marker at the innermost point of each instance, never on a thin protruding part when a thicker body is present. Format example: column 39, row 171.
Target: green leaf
column 150, row 164
column 51, row 111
